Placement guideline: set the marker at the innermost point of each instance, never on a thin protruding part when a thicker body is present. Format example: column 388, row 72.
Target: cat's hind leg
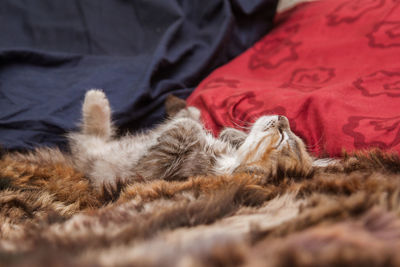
column 96, row 115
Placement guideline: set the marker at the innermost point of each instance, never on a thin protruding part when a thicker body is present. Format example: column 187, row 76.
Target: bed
column 330, row 66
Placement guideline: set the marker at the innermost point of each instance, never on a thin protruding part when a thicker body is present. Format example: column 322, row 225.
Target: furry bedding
column 331, row 67
column 344, row 215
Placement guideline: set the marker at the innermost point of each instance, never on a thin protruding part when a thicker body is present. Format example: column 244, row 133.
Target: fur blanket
column 346, row 214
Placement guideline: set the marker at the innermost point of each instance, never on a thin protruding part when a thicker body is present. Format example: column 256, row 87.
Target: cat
column 180, row 147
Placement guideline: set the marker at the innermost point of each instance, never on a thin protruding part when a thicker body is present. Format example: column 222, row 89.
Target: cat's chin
column 278, row 167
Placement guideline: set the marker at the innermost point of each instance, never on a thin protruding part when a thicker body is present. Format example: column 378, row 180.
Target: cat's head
column 272, row 147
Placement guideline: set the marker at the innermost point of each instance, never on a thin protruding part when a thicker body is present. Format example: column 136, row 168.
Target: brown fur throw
column 280, row 210
column 342, row 215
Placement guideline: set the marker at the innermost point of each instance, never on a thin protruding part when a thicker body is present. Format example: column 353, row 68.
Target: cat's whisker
column 317, row 143
column 253, row 119
column 245, row 124
column 316, row 146
column 240, row 126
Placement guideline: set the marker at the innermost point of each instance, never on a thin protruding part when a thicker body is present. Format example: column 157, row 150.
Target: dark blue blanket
column 138, row 52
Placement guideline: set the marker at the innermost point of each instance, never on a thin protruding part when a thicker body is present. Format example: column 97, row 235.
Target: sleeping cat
column 180, row 147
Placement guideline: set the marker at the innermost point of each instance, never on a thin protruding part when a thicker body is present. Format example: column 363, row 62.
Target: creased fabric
column 52, row 51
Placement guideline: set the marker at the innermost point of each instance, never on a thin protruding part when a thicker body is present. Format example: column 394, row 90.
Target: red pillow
column 332, row 67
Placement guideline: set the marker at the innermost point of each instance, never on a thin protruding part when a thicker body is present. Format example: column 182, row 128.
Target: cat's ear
column 173, row 105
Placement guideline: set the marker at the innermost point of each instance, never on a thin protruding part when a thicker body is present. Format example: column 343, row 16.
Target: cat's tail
column 96, row 115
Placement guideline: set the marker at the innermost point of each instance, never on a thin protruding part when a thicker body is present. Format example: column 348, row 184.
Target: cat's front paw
column 233, row 136
column 96, row 114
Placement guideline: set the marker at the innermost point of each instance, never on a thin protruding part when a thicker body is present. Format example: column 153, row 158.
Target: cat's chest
column 133, row 147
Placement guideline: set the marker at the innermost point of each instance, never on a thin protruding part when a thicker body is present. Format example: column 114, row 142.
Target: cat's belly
column 108, row 162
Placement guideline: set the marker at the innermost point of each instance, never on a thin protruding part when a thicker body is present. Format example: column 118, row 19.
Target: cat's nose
column 283, row 122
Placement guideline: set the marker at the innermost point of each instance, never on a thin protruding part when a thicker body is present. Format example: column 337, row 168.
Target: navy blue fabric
column 138, row 51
